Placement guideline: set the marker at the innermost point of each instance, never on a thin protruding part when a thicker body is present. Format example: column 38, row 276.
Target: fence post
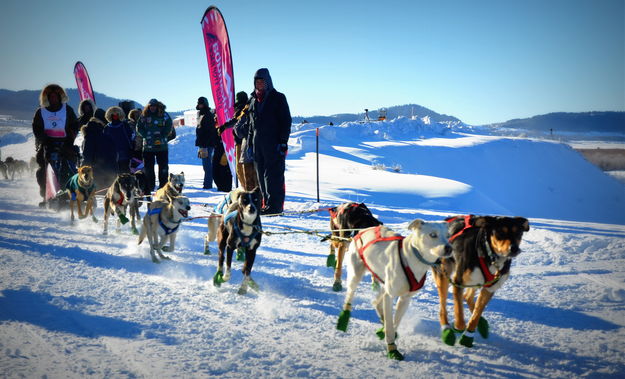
column 317, row 149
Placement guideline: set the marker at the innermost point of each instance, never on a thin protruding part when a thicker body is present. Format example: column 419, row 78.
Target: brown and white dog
column 172, row 188
column 81, row 190
column 343, row 220
column 216, row 216
column 161, row 223
column 483, row 248
column 118, row 197
column 240, row 228
column 399, row 264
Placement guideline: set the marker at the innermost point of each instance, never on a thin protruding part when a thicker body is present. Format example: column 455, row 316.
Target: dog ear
column 482, row 221
column 416, row 224
column 523, row 222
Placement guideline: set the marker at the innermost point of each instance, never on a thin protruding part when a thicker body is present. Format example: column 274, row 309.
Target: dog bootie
column 466, row 339
column 241, row 254
column 337, row 286
column 393, row 353
column 381, row 334
column 207, row 250
column 331, row 261
column 375, row 286
column 122, row 218
column 134, row 231
column 94, row 219
column 448, row 335
column 218, row 279
column 343, row 320
column 482, row 327
column 253, row 284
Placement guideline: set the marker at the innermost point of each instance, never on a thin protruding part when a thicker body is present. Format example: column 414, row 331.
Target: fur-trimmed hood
column 134, row 115
column 115, row 110
column 160, row 109
column 43, row 96
column 82, row 103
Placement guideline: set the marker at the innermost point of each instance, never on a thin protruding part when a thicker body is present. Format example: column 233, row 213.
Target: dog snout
column 448, row 250
column 514, row 250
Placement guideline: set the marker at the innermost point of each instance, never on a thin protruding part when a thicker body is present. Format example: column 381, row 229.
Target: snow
column 75, row 303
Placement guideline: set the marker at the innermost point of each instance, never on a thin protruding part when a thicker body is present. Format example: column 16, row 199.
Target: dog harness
column 245, row 240
column 414, row 284
column 73, row 186
column 157, row 211
column 489, row 278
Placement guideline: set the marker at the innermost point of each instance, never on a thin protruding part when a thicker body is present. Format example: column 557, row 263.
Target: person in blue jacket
column 122, row 137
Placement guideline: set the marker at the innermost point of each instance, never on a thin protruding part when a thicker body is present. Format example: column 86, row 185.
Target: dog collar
column 417, row 254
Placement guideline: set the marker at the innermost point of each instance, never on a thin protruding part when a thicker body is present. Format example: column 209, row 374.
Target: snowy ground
column 75, row 303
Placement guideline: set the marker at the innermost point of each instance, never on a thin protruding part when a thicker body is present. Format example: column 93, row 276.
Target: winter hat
column 202, row 100
column 241, row 97
column 99, row 114
column 153, row 102
column 114, row 110
column 263, row 73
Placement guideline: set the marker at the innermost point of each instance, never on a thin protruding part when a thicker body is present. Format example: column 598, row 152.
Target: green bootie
column 134, row 231
column 482, row 327
column 331, row 261
column 122, row 218
column 375, row 286
column 381, row 334
column 448, row 336
column 218, row 279
column 337, row 286
column 466, row 339
column 241, row 254
column 343, row 320
column 396, row 355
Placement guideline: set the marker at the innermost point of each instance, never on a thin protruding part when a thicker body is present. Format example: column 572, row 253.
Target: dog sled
column 59, row 170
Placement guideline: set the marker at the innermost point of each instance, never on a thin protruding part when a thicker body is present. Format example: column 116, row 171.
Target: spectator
column 86, row 108
column 269, row 131
column 155, row 126
column 55, row 127
column 98, row 152
column 206, row 139
column 136, row 160
column 122, row 137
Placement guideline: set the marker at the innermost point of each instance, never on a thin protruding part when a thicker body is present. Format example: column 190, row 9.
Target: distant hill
column 605, row 122
column 21, row 105
column 407, row 110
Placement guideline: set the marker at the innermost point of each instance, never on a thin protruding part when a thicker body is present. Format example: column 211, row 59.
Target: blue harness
column 157, row 211
column 245, row 240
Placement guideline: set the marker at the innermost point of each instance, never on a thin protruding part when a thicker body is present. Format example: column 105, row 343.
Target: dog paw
column 94, row 219
column 343, row 320
column 122, row 218
column 241, row 254
column 155, row 260
column 448, row 336
column 482, row 327
column 242, row 290
column 331, row 261
column 207, row 250
column 337, row 286
column 253, row 285
column 466, row 339
column 218, row 279
column 396, row 355
column 166, row 249
column 227, row 275
column 134, row 231
column 381, row 334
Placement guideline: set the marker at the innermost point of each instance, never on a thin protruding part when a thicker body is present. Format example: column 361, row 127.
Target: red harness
column 340, row 210
column 121, row 199
column 488, row 276
column 414, row 284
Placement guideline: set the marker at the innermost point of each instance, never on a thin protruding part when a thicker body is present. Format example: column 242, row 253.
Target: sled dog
column 119, row 195
column 81, row 190
column 171, row 189
column 399, row 264
column 483, row 248
column 161, row 223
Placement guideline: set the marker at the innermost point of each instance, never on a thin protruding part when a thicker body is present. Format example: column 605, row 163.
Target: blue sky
column 481, row 61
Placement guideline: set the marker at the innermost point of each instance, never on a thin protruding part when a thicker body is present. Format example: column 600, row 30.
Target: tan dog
column 81, row 190
column 161, row 224
column 399, row 264
column 171, row 189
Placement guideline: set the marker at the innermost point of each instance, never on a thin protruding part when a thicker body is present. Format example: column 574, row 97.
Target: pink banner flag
column 82, row 81
column 221, row 75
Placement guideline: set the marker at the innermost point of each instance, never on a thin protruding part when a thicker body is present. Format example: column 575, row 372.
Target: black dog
column 119, row 196
column 143, row 193
column 240, row 228
column 343, row 220
column 483, row 248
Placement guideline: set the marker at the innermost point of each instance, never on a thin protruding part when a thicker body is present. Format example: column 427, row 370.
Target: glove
column 283, row 148
column 202, row 153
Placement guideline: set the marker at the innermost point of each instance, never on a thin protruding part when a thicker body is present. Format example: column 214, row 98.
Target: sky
column 480, row 61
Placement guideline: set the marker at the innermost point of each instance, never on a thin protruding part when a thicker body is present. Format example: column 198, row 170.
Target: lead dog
column 81, row 190
column 118, row 197
column 240, row 228
column 161, row 223
column 172, row 188
column 399, row 264
column 343, row 220
column 483, row 248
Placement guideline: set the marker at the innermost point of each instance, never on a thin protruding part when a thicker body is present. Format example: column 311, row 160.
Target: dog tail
column 142, row 235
